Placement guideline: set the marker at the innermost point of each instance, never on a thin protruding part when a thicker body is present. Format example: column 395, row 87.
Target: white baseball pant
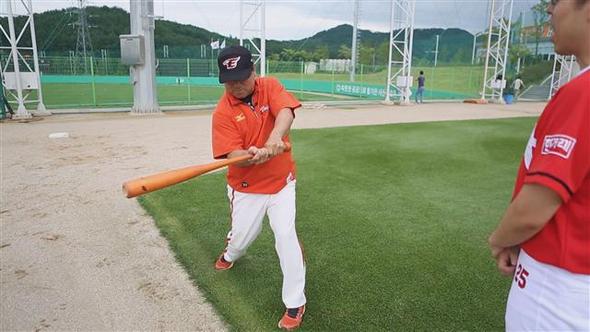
column 547, row 298
column 247, row 213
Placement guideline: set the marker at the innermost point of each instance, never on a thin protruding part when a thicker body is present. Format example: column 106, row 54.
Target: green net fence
column 104, row 82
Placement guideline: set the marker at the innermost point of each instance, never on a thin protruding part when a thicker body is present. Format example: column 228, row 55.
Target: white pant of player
column 547, row 298
column 247, row 213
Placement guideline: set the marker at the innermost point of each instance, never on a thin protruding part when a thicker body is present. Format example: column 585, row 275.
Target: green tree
column 289, row 54
column 322, row 52
column 382, row 53
column 344, row 52
column 367, row 55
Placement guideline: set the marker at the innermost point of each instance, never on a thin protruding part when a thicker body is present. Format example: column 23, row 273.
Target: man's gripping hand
column 260, row 155
column 275, row 146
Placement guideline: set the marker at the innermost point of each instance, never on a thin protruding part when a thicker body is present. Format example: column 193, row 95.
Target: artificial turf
column 393, row 219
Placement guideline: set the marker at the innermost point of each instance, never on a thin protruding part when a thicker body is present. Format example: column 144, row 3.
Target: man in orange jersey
column 254, row 117
column 543, row 240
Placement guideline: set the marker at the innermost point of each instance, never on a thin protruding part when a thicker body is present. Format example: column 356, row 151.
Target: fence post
column 93, row 85
column 333, row 80
column 361, row 83
column 432, row 96
column 188, row 77
column 301, row 78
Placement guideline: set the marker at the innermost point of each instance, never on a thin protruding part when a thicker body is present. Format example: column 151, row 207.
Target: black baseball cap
column 235, row 64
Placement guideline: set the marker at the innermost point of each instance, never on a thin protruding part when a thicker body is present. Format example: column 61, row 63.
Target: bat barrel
column 144, row 185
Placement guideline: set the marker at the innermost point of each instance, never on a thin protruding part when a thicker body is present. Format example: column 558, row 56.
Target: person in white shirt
column 517, row 85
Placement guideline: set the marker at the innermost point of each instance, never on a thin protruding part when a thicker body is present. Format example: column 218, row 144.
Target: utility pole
column 143, row 68
column 83, row 42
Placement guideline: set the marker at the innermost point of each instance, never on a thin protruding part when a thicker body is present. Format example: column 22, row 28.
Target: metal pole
column 145, row 97
column 333, row 78
column 241, row 23
column 410, row 51
column 485, row 71
column 263, row 39
column 93, row 85
column 387, row 88
column 301, row 78
column 436, row 50
column 40, row 106
column 552, row 88
column 361, row 82
column 21, row 111
column 473, row 53
column 354, row 41
column 505, row 61
column 188, row 77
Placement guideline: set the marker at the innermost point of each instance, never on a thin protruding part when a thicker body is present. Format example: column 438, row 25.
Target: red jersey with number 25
column 557, row 156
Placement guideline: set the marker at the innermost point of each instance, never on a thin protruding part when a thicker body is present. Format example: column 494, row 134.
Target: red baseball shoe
column 292, row 318
column 221, row 264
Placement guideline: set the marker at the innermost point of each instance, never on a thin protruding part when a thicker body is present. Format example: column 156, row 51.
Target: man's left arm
column 283, row 121
column 528, row 213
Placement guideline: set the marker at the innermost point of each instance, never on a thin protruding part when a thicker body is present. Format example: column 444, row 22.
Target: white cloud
column 302, row 18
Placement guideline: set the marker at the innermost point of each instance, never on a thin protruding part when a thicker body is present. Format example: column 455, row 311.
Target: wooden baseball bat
column 146, row 184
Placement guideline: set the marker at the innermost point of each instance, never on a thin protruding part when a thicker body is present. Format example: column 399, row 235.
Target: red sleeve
column 562, row 156
column 280, row 98
column 226, row 137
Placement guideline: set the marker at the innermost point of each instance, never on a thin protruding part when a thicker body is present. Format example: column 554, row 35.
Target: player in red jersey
column 543, row 240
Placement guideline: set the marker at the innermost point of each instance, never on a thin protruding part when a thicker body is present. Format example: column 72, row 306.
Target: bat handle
column 287, row 147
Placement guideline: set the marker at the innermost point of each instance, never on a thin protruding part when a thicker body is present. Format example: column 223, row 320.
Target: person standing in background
column 420, row 92
column 517, row 85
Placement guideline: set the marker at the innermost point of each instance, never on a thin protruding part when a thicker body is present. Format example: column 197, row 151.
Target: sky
column 298, row 19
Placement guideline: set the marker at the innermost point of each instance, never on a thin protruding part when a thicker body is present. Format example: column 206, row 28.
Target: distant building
column 335, row 65
column 527, row 37
column 310, row 68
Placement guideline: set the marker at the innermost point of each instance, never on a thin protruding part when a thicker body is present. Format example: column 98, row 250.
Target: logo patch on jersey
column 264, row 108
column 528, row 152
column 559, row 145
column 240, row 117
column 231, row 63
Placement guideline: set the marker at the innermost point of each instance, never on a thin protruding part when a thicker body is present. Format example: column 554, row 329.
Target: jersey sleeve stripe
column 554, row 178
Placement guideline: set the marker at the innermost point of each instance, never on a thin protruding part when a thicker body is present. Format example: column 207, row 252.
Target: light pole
column 436, row 50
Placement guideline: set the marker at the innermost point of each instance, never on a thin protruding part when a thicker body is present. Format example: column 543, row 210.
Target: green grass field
column 459, row 79
column 72, row 95
column 394, row 221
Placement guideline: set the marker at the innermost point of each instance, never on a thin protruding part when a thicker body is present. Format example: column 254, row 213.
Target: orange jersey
column 238, row 126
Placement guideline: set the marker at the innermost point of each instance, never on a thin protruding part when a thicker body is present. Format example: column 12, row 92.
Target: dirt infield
column 76, row 255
